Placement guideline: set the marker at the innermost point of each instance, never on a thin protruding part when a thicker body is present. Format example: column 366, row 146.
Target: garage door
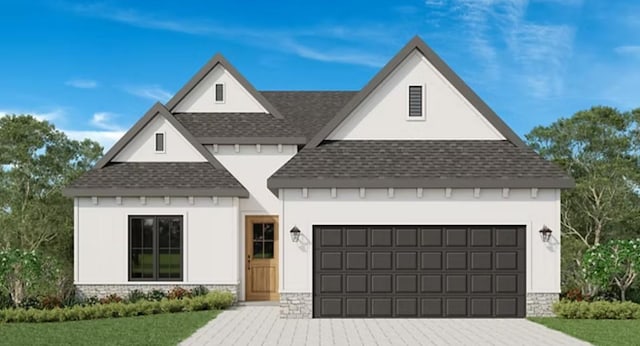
column 419, row 271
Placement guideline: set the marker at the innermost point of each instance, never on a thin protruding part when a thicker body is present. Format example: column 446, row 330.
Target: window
column 155, row 248
column 219, row 93
column 263, row 237
column 416, row 104
column 159, row 142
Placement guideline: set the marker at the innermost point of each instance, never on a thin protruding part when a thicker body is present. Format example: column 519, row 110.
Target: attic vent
column 415, row 101
column 159, row 142
column 219, row 93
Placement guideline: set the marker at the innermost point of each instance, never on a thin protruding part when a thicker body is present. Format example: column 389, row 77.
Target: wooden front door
column 261, row 265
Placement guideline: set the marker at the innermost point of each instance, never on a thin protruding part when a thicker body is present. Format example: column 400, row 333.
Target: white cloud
column 152, row 92
column 104, row 120
column 282, row 40
column 50, row 115
column 82, row 83
column 628, row 50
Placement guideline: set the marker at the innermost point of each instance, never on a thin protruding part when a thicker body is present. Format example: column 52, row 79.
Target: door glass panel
column 147, row 233
column 147, row 263
column 136, row 263
column 257, row 249
column 268, row 249
column 136, row 233
column 164, row 228
column 268, row 231
column 258, row 234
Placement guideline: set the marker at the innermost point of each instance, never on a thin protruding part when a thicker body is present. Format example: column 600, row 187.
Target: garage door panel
column 456, row 261
column 407, row 283
column 481, row 237
column 456, row 307
column 481, row 261
column 356, row 237
column 357, row 260
column 431, row 260
column 407, row 237
column 381, row 237
column 419, row 271
column 381, row 283
column 331, row 260
column 431, row 237
column 381, row 260
column 406, row 260
column 431, row 283
column 456, row 236
column 356, row 284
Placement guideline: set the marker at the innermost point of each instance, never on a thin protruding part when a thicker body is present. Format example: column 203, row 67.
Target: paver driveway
column 261, row 325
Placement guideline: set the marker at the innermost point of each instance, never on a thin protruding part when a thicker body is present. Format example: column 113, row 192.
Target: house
column 408, row 198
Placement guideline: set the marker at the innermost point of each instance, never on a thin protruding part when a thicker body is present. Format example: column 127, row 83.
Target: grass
column 163, row 329
column 597, row 332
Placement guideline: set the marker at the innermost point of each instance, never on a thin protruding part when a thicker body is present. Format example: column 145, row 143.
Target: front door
column 261, row 265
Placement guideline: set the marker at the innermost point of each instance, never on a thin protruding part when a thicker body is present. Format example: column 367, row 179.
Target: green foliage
column 19, row 268
column 135, row 296
column 111, row 298
column 156, row 295
column 212, row 301
column 199, row 291
column 597, row 310
column 617, row 261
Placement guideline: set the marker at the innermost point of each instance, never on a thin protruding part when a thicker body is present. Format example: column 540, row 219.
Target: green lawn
column 163, row 329
column 597, row 332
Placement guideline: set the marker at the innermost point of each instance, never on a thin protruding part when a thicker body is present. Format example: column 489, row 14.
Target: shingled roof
column 419, row 163
column 157, row 179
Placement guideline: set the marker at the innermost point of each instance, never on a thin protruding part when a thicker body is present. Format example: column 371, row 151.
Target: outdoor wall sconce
column 295, row 234
column 545, row 234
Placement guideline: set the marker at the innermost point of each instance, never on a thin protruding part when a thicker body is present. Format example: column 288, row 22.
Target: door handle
column 248, row 262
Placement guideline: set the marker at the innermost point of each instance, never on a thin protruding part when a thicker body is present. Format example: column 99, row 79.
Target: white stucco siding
column 462, row 208
column 142, row 148
column 383, row 115
column 201, row 99
column 209, row 235
column 252, row 168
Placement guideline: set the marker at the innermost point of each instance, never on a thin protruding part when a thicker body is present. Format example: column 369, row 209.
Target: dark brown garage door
column 419, row 271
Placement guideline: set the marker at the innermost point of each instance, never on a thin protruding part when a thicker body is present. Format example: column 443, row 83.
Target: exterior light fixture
column 295, row 234
column 545, row 234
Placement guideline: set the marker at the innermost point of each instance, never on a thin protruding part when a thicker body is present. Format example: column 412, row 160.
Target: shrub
column 575, row 294
column 597, row 310
column 112, row 298
column 213, row 300
column 616, row 261
column 199, row 291
column 156, row 295
column 30, row 303
column 50, row 302
column 5, row 301
column 135, row 296
column 178, row 293
column 93, row 300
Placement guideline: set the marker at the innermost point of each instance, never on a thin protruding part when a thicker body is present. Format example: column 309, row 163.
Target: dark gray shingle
column 431, row 159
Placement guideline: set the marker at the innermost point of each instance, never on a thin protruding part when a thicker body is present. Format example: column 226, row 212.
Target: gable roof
column 216, row 60
column 157, row 110
column 418, row 44
column 419, row 163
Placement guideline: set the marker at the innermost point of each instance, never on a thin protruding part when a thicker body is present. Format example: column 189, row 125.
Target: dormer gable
column 219, row 88
column 158, row 137
column 416, row 96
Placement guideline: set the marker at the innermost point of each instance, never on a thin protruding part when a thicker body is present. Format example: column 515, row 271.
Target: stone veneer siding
column 300, row 305
column 296, row 305
column 540, row 304
column 89, row 290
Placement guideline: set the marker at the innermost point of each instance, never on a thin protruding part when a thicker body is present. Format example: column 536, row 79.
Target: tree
column 36, row 162
column 617, row 262
column 599, row 148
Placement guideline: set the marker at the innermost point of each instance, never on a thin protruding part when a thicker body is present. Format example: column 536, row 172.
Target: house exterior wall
column 210, row 240
column 252, row 168
column 236, row 99
column 383, row 115
column 490, row 207
column 142, row 147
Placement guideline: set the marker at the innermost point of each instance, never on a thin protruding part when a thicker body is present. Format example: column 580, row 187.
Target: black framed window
column 155, row 248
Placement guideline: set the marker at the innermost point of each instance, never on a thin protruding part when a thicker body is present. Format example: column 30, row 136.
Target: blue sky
column 94, row 68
